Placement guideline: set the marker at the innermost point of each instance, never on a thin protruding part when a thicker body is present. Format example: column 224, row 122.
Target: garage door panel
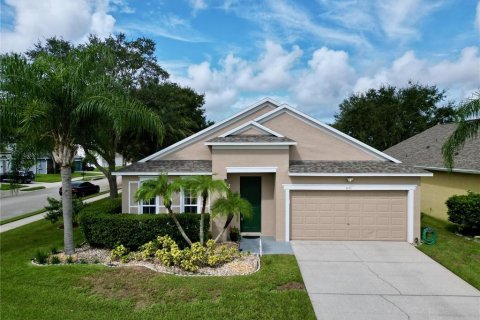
column 349, row 215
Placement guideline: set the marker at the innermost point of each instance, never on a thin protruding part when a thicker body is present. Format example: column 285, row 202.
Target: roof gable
column 324, row 128
column 248, row 126
column 264, row 103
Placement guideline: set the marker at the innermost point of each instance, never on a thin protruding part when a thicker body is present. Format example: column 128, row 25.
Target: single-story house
column 304, row 179
column 424, row 151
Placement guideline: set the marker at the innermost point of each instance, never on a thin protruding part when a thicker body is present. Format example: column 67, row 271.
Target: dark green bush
column 41, row 257
column 134, row 230
column 464, row 210
column 107, row 205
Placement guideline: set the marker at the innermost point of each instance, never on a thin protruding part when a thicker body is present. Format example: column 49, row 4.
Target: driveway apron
column 381, row 280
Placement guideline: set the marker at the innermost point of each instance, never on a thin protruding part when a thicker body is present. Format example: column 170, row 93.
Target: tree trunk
column 112, row 180
column 202, row 220
column 66, row 173
column 179, row 226
column 227, row 223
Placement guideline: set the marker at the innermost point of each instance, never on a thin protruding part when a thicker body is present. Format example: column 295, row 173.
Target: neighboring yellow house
column 424, row 151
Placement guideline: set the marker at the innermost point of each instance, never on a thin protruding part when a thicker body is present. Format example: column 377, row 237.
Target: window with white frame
column 149, row 206
column 190, row 201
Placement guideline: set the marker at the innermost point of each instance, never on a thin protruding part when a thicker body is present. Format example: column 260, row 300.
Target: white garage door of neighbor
column 349, row 215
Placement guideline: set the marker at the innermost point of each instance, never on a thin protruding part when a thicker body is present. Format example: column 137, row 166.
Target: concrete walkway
column 381, row 280
column 40, row 216
column 265, row 245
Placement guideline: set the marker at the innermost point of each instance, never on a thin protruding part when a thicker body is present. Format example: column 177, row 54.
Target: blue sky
column 310, row 54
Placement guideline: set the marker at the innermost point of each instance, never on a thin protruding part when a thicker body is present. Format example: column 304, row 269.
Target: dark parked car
column 82, row 188
column 18, row 177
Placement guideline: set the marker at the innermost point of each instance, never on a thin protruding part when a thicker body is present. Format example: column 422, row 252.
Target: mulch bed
column 243, row 265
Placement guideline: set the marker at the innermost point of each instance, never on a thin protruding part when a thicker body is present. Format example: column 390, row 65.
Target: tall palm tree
column 53, row 97
column 468, row 126
column 233, row 205
column 205, row 186
column 166, row 189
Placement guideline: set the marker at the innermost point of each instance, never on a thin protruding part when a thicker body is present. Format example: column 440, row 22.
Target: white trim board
column 353, row 187
column 306, row 118
column 251, row 146
column 251, row 169
column 218, row 126
column 160, row 173
column 301, row 174
column 288, row 143
column 471, row 171
column 248, row 125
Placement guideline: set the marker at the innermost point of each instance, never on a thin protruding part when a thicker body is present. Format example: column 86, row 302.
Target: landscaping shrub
column 55, row 211
column 107, row 205
column 133, row 230
column 464, row 210
column 167, row 251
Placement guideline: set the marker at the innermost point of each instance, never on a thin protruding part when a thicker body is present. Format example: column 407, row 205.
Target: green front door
column 251, row 190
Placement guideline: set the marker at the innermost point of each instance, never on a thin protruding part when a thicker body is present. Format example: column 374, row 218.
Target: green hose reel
column 429, row 236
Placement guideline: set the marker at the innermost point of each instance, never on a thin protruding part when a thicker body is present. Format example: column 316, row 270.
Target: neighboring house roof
column 424, row 150
column 352, row 168
column 170, row 167
column 250, row 139
column 278, row 110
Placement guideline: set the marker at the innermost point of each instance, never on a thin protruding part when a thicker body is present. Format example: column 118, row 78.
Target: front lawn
column 460, row 255
column 56, row 177
column 8, row 186
column 97, row 292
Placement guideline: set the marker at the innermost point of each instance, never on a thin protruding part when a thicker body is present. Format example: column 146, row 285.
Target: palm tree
column 166, row 189
column 468, row 126
column 51, row 98
column 205, row 186
column 230, row 206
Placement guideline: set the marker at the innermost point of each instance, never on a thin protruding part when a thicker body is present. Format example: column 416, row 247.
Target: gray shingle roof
column 251, row 139
column 170, row 166
column 425, row 149
column 380, row 167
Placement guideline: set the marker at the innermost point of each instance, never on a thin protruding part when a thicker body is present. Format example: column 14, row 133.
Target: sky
column 309, row 54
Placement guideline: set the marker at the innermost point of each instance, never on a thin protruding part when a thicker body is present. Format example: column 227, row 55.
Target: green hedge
column 107, row 205
column 134, row 230
column 464, row 210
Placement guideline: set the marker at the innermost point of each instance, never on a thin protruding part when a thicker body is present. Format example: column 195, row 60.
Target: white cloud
column 273, row 70
column 460, row 77
column 319, row 86
column 477, row 17
column 398, row 18
column 328, row 79
column 287, row 21
column 71, row 20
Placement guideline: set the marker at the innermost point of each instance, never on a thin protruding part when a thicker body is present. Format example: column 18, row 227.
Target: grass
column 460, row 255
column 8, row 186
column 97, row 292
column 55, row 177
column 33, row 188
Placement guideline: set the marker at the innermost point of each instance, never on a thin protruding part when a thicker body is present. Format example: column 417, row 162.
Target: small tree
column 230, row 206
column 55, row 212
column 166, row 189
column 205, row 186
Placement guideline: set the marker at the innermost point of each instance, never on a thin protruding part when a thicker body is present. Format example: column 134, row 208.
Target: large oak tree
column 386, row 116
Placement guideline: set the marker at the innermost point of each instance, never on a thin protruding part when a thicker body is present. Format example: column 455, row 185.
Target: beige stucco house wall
column 290, row 151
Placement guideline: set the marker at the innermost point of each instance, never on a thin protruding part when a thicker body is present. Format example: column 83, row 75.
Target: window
column 149, row 206
column 189, row 201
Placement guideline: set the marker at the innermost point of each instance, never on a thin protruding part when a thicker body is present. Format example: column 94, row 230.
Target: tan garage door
column 349, row 215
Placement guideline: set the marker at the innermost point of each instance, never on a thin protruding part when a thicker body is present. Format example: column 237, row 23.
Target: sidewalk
column 40, row 216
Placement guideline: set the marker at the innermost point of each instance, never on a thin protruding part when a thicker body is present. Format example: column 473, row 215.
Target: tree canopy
column 386, row 116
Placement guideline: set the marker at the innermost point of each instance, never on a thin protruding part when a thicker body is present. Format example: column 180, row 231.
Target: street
column 27, row 201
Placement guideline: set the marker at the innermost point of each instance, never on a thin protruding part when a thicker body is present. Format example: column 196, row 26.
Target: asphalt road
column 28, row 201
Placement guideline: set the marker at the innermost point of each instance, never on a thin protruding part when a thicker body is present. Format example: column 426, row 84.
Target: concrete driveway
column 381, row 280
